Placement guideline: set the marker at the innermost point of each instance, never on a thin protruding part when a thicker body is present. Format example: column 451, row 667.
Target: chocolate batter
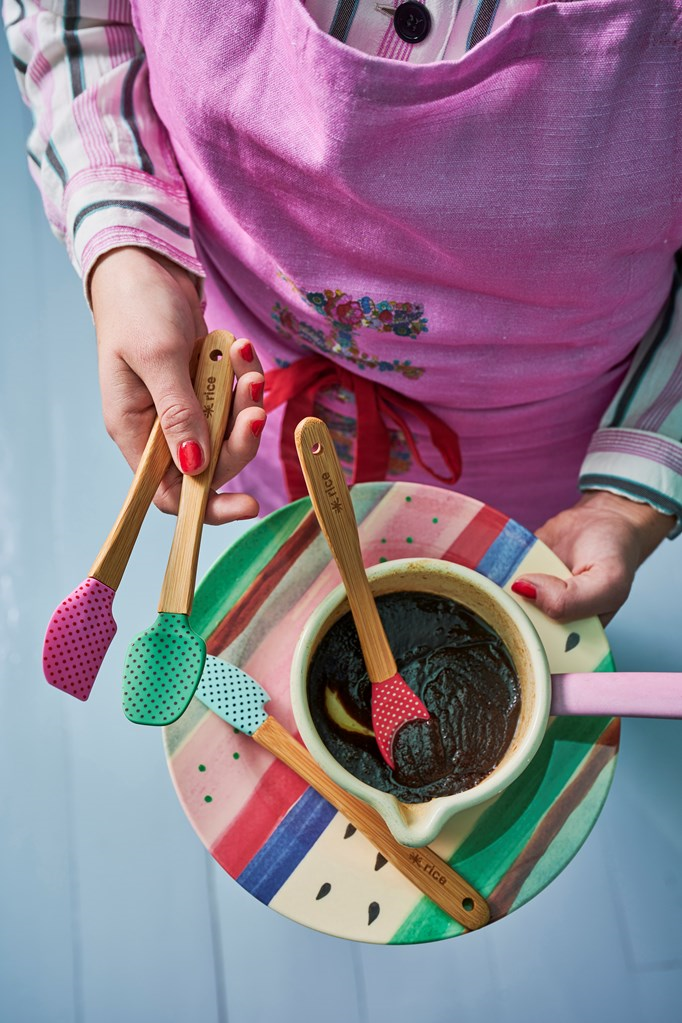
column 455, row 663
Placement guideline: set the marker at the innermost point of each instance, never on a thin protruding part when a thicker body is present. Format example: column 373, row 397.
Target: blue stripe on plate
column 504, row 555
column 286, row 847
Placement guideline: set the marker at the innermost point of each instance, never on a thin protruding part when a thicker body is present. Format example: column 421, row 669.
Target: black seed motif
column 572, row 640
column 381, row 861
column 324, row 890
column 373, row 911
column 350, row 830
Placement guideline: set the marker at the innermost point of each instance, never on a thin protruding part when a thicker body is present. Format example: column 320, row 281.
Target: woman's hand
column 603, row 540
column 148, row 316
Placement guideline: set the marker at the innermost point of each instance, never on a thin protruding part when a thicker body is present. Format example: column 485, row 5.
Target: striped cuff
column 109, row 208
column 645, row 467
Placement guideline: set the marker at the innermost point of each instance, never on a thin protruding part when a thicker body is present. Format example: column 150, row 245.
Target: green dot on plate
column 408, row 498
column 408, row 539
column 208, row 799
column 235, row 756
column 382, row 560
column 434, row 520
column 202, row 767
column 384, row 540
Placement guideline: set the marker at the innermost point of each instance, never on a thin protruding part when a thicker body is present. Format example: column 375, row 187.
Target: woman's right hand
column 148, row 316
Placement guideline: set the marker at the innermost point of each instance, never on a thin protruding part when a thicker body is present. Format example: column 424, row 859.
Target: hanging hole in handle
column 317, row 448
column 468, row 904
column 216, row 355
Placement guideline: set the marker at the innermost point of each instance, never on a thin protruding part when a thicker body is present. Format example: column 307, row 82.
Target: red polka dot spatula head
column 394, row 704
column 82, row 627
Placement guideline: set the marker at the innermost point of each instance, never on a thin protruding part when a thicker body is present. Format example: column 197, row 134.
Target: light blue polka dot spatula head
column 164, row 663
column 233, row 695
column 238, row 699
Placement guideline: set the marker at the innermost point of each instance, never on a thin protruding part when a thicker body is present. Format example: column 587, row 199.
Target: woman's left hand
column 603, row 540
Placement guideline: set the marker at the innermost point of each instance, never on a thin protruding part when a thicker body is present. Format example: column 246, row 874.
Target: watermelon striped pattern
column 263, row 824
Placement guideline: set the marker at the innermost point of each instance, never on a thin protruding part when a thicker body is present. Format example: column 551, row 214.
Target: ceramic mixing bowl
column 416, row 824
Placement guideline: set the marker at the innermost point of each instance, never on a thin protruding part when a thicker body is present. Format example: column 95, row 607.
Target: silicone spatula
column 238, row 699
column 82, row 627
column 163, row 664
column 394, row 704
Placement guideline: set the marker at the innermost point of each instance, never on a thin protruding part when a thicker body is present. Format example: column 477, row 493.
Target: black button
column 412, row 22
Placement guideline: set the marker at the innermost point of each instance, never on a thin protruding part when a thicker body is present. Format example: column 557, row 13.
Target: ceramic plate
column 282, row 841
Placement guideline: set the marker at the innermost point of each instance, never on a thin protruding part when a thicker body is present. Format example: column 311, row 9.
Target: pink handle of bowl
column 637, row 694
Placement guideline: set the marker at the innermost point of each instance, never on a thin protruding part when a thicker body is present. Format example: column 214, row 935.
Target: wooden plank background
column 110, row 908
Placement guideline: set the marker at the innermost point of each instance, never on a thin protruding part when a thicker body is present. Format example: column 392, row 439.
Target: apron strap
column 297, row 387
column 443, row 438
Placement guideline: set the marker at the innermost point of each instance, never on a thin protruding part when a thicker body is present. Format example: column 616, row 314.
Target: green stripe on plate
column 569, row 840
column 503, row 831
column 608, row 663
column 236, row 569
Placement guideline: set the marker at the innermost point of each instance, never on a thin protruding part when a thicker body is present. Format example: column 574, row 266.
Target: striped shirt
column 108, row 177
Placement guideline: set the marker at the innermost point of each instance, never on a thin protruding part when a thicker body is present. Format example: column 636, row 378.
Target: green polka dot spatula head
column 164, row 663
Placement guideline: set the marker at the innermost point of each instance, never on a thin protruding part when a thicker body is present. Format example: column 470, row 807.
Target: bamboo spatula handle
column 213, row 388
column 110, row 563
column 333, row 507
column 427, row 871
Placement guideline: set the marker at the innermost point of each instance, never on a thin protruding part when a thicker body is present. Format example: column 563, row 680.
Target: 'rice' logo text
column 330, row 491
column 428, row 868
column 209, row 397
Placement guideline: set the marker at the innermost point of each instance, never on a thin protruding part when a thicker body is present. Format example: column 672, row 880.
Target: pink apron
column 488, row 238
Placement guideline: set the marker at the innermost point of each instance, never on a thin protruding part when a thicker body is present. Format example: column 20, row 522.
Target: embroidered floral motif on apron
column 486, row 238
column 345, row 316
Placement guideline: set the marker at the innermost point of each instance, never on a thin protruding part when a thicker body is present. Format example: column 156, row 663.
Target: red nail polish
column 524, row 589
column 190, row 456
column 246, row 352
column 257, row 427
column 257, row 391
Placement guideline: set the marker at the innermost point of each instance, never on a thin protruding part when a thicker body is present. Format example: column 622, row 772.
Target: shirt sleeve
column 637, row 450
column 97, row 150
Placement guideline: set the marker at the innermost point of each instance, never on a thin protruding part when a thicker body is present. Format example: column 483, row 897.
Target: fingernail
column 524, row 589
column 190, row 456
column 246, row 352
column 257, row 427
column 256, row 391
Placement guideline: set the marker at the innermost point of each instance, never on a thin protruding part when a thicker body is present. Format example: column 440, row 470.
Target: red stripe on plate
column 475, row 539
column 240, row 615
column 270, row 801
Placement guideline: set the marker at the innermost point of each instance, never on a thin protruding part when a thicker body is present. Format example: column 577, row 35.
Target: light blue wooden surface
column 110, row 909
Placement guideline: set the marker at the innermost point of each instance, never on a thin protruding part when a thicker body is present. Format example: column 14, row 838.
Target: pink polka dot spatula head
column 394, row 704
column 82, row 627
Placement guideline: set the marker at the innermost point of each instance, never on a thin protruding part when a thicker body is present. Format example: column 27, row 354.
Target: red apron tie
column 299, row 384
